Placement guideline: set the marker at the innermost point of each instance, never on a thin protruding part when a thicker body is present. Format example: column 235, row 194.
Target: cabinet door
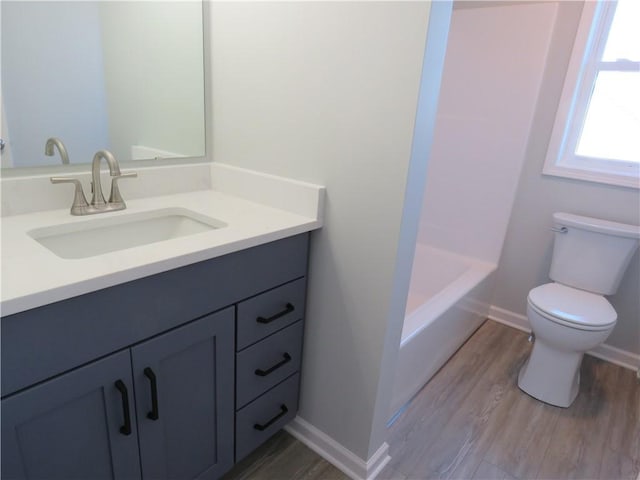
column 184, row 398
column 73, row 426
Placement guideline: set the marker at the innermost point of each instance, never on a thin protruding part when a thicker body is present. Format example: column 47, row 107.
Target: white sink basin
column 88, row 238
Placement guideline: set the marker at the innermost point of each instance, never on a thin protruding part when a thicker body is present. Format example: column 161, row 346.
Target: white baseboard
column 336, row 454
column 606, row 352
column 616, row 355
column 509, row 318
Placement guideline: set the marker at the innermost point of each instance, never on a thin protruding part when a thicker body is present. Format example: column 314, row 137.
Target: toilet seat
column 572, row 307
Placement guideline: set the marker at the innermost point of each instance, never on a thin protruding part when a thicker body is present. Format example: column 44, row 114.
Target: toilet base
column 551, row 375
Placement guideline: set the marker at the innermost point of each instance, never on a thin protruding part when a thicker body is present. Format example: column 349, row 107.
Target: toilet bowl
column 567, row 322
column 571, row 315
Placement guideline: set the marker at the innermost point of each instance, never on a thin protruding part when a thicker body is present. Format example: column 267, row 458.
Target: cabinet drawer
column 256, row 422
column 268, row 312
column 267, row 363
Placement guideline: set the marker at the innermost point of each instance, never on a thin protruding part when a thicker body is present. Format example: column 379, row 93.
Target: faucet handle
column 80, row 205
column 115, row 198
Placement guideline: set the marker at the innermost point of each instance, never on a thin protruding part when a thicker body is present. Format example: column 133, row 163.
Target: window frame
column 584, row 65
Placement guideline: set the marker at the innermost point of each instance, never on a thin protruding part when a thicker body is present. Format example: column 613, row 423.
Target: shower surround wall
column 493, row 72
column 492, row 75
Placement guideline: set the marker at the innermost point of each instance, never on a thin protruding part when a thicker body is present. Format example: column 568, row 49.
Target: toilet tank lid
column 597, row 225
column 573, row 305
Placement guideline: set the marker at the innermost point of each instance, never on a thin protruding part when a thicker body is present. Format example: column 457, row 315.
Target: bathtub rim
column 443, row 300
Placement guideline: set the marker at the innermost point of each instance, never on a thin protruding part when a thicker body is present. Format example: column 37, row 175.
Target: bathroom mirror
column 126, row 76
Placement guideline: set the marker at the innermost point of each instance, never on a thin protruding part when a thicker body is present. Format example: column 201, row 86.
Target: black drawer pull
column 288, row 309
column 283, row 412
column 122, row 388
column 153, row 414
column 263, row 373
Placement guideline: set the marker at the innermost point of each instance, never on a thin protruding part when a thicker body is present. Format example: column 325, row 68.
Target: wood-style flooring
column 282, row 458
column 472, row 422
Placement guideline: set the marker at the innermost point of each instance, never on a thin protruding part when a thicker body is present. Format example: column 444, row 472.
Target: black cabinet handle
column 288, row 309
column 122, row 388
column 153, row 414
column 286, row 358
column 283, row 411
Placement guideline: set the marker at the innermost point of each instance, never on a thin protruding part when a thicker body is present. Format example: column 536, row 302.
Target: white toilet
column 571, row 316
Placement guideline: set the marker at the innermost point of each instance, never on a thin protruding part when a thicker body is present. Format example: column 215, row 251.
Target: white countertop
column 33, row 276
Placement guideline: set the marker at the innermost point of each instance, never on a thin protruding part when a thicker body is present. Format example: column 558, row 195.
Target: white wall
column 154, row 75
column 42, row 79
column 327, row 92
column 527, row 251
column 493, row 71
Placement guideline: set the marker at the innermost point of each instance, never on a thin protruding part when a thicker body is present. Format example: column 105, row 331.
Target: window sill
column 629, row 181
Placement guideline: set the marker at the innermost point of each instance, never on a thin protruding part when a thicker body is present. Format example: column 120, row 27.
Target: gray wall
column 527, row 251
column 327, row 93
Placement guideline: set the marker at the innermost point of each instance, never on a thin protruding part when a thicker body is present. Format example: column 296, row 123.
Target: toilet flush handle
column 559, row 229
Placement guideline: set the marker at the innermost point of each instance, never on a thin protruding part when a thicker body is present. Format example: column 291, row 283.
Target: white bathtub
column 448, row 300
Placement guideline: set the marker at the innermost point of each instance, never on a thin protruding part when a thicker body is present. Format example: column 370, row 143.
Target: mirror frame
column 21, row 172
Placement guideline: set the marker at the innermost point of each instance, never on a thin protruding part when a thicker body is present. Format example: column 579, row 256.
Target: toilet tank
column 590, row 253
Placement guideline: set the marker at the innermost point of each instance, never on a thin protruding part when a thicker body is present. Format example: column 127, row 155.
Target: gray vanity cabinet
column 146, row 379
column 70, row 427
column 83, row 425
column 184, row 399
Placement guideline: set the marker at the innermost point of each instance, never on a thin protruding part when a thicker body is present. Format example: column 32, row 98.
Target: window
column 596, row 136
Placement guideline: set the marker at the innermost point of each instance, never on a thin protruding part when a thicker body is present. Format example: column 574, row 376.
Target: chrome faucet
column 98, row 203
column 56, row 142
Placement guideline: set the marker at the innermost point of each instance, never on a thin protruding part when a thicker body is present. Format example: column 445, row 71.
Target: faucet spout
column 114, row 171
column 57, row 143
